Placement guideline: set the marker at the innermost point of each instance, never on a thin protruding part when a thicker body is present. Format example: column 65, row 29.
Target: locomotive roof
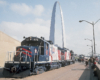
column 31, row 38
column 35, row 39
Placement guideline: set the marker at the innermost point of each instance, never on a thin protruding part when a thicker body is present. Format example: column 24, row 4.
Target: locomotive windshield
column 32, row 42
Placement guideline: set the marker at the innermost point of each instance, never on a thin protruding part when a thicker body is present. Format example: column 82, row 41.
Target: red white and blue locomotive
column 36, row 55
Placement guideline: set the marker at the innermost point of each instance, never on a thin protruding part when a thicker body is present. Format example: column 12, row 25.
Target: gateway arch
column 52, row 27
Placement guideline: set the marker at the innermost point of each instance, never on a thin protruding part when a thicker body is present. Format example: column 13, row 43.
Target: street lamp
column 93, row 31
column 91, row 45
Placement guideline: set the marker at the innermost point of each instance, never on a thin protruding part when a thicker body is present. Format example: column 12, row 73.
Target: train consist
column 36, row 55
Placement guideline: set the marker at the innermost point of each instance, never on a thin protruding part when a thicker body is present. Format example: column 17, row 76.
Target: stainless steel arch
column 52, row 27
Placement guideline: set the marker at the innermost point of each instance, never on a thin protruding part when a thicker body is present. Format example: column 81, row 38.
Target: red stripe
column 46, row 52
column 27, row 54
column 59, row 55
column 26, row 50
column 70, row 55
column 51, row 58
column 65, row 55
column 18, row 52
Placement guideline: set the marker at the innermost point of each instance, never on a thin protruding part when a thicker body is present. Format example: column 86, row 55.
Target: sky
column 20, row 18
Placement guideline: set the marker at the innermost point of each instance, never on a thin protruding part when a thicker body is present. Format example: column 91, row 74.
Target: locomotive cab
column 38, row 47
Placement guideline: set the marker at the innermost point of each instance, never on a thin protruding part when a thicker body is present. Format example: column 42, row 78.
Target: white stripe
column 15, row 62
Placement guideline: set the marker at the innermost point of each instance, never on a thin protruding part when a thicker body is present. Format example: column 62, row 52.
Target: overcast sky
column 20, row 18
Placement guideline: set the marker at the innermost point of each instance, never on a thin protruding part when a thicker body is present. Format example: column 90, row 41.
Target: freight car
column 34, row 56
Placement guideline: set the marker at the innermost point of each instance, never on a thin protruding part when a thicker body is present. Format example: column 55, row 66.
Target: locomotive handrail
column 37, row 56
column 26, row 57
column 9, row 55
column 13, row 52
column 20, row 56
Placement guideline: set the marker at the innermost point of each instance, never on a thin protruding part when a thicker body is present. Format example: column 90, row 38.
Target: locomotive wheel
column 66, row 64
column 59, row 65
column 69, row 63
column 37, row 72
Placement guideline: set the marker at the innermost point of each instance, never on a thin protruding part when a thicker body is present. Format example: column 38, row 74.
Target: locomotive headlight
column 29, row 48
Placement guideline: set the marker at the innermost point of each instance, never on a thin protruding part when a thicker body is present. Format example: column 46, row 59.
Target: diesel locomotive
column 36, row 55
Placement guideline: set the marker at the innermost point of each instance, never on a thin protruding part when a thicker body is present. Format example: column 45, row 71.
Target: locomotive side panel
column 68, row 56
column 53, row 54
column 59, row 54
column 65, row 54
column 62, row 55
